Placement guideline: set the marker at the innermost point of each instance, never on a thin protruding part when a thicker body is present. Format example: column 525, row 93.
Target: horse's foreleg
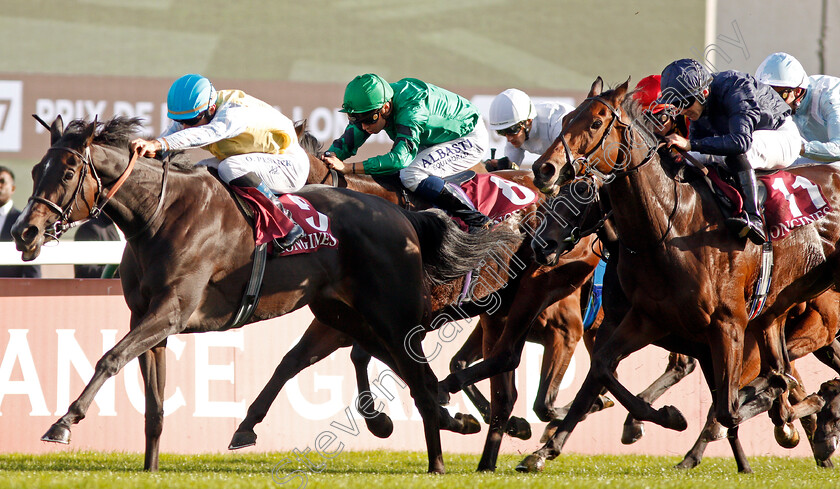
column 633, row 333
column 726, row 343
column 562, row 330
column 468, row 353
column 679, row 366
column 153, row 368
column 585, row 397
column 317, row 342
column 422, row 384
column 163, row 319
column 502, row 398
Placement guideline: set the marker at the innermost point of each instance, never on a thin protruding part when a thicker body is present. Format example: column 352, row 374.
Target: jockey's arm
column 826, row 150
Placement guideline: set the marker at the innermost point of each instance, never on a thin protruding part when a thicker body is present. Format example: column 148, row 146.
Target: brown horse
column 185, row 269
column 672, row 233
column 809, row 328
column 516, row 304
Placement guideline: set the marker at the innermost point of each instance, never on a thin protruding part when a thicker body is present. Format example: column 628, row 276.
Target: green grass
column 381, row 469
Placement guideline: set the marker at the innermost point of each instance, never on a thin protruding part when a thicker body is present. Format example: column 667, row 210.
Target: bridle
column 583, row 162
column 63, row 223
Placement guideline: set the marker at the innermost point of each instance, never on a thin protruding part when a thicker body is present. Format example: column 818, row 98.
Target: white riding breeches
column 772, row 149
column 282, row 173
column 445, row 159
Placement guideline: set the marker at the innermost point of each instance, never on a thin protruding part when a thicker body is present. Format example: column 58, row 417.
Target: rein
column 652, row 150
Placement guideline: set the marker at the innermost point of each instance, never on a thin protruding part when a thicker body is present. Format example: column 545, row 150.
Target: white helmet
column 782, row 70
column 510, row 107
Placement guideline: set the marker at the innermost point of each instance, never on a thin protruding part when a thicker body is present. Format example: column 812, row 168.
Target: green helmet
column 365, row 93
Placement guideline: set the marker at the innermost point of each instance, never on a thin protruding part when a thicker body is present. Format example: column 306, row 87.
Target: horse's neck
column 134, row 204
column 642, row 204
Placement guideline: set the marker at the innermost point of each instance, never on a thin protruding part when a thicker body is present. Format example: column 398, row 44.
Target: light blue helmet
column 782, row 70
column 189, row 96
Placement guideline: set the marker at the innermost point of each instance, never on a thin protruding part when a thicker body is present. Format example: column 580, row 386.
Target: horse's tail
column 309, row 142
column 449, row 253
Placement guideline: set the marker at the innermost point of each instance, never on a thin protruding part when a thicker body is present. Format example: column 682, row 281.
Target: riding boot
column 444, row 196
column 749, row 224
column 282, row 243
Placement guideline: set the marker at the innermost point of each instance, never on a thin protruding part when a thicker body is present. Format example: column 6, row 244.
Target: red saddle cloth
column 792, row 201
column 270, row 223
column 496, row 197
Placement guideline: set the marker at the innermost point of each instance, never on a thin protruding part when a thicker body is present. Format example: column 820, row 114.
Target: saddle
column 788, row 200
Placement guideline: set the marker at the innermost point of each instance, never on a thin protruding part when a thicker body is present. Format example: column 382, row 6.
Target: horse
column 670, row 232
column 515, row 304
column 809, row 328
column 184, row 269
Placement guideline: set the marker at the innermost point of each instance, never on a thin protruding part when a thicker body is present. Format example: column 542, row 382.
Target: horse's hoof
column 531, row 463
column 518, row 428
column 605, row 402
column 57, row 434
column 381, row 425
column 687, row 463
column 633, row 432
column 786, row 435
column 242, row 439
column 550, row 429
column 673, row 418
column 470, row 425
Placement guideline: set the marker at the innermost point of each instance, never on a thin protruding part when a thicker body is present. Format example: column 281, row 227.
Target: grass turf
column 383, row 469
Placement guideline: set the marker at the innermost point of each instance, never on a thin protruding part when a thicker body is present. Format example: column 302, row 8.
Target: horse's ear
column 300, row 128
column 90, row 131
column 597, row 87
column 621, row 90
column 56, row 130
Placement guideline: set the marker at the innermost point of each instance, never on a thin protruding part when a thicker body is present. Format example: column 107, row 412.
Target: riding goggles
column 194, row 121
column 368, row 118
column 510, row 131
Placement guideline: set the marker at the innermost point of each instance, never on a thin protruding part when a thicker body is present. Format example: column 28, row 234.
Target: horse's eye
column 597, row 124
column 68, row 175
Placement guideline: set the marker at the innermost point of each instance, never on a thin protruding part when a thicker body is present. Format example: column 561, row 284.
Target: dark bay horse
column 517, row 303
column 810, row 327
column 189, row 253
column 671, row 233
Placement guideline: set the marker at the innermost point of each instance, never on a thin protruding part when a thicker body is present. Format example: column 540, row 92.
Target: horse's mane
column 638, row 117
column 118, row 133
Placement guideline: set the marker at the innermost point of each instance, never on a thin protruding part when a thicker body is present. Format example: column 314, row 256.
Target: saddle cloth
column 270, row 223
column 496, row 197
column 790, row 200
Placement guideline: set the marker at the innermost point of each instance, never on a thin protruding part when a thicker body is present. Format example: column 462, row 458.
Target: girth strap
column 252, row 292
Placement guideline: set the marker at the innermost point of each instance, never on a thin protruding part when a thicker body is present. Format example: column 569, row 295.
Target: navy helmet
column 682, row 82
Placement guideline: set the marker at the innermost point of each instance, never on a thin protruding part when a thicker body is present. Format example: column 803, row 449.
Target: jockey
column 815, row 102
column 735, row 116
column 253, row 144
column 436, row 134
column 527, row 127
column 647, row 91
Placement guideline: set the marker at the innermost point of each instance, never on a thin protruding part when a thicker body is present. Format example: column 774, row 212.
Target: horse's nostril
column 547, row 170
column 29, row 234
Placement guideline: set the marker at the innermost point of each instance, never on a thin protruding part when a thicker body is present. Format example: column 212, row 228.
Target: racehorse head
column 65, row 186
column 589, row 141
